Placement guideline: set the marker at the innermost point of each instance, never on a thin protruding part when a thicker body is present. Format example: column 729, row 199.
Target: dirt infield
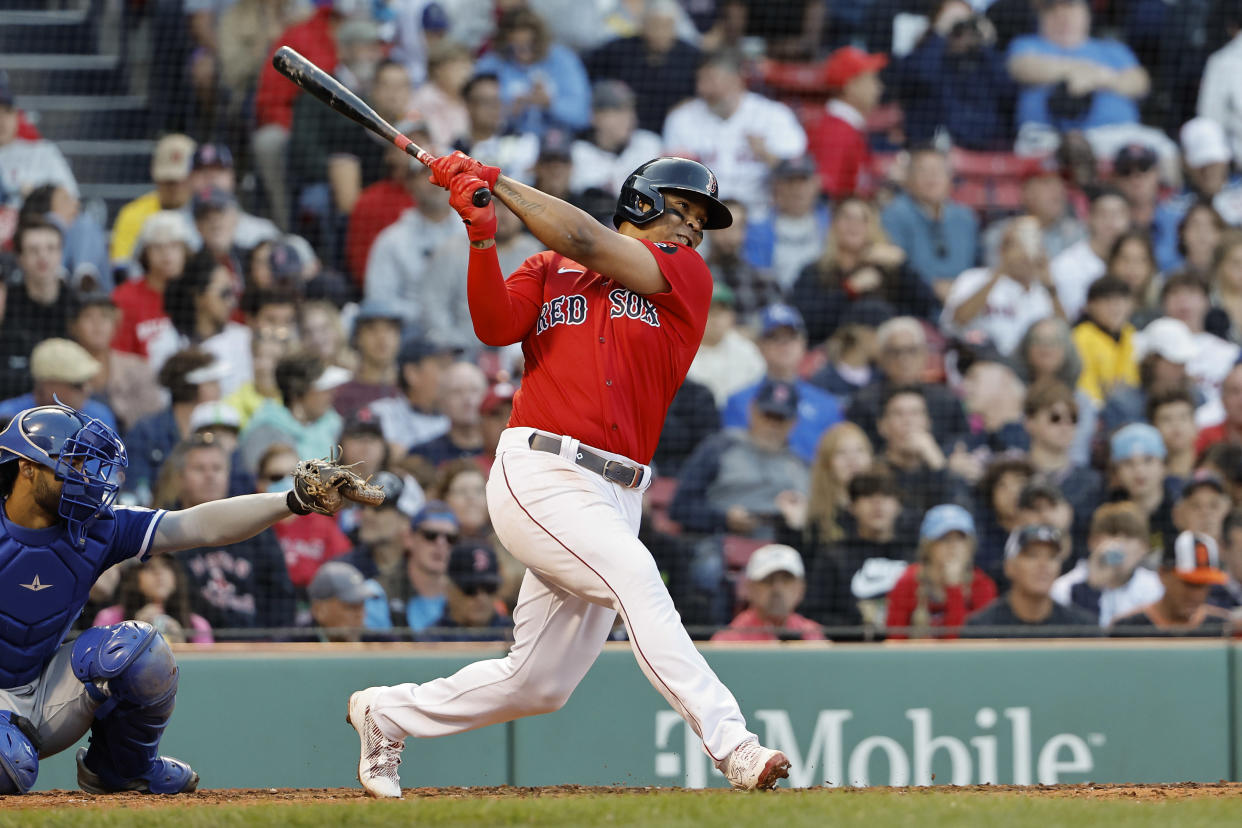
column 271, row 796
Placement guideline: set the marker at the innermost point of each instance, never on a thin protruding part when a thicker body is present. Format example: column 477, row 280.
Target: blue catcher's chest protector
column 45, row 580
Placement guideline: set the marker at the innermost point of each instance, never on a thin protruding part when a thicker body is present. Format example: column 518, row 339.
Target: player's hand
column 480, row 221
column 447, row 167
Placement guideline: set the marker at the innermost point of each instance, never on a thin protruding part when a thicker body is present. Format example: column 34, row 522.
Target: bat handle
column 482, row 197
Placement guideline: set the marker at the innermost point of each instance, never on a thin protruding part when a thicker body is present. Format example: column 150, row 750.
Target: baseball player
column 609, row 323
column 59, row 529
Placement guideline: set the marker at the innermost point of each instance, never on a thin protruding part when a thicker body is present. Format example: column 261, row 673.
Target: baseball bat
column 332, row 92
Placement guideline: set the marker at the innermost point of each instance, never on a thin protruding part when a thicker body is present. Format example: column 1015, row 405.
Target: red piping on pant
column 637, row 646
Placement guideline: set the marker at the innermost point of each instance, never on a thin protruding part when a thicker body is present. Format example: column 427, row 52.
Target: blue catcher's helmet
column 648, row 183
column 81, row 451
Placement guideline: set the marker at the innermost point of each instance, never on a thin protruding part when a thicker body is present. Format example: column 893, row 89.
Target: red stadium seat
column 737, row 551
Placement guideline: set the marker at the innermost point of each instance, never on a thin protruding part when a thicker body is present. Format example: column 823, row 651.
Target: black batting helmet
column 648, row 182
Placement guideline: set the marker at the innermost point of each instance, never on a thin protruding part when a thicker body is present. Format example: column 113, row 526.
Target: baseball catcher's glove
column 323, row 486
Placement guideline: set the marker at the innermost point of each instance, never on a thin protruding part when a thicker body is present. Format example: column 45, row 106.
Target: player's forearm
column 558, row 224
column 496, row 321
column 219, row 522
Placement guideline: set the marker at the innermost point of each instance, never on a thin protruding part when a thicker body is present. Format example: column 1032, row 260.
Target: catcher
column 59, row 530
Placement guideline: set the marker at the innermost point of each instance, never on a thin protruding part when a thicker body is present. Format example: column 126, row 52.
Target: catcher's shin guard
column 129, row 668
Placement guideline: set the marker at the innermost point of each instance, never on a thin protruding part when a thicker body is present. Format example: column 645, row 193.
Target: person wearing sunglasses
column 433, row 533
column 470, row 612
column 1051, row 420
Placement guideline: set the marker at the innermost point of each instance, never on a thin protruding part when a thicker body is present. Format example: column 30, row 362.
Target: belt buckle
column 618, row 477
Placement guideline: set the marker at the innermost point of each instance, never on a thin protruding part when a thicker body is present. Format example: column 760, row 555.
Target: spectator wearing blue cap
column 944, row 586
column 1138, row 473
column 782, row 343
column 733, row 479
column 1033, row 557
column 432, row 534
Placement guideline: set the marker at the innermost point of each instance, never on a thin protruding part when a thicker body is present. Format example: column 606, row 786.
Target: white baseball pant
column 577, row 535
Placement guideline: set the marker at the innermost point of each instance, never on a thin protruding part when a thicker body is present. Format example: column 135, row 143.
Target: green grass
column 875, row 809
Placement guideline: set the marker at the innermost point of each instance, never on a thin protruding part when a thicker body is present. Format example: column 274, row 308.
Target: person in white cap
column 303, row 417
column 170, row 170
column 1185, row 296
column 775, row 586
column 1207, row 159
column 1163, row 350
column 161, row 251
column 61, row 368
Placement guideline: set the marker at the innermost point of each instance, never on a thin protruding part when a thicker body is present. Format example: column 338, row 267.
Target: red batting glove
column 447, row 167
column 480, row 221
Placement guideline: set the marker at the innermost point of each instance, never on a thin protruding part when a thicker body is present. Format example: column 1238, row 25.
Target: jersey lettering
column 563, row 310
column 632, row 306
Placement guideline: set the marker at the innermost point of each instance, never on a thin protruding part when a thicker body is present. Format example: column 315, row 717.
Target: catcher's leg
column 129, row 671
column 19, row 758
column 556, row 638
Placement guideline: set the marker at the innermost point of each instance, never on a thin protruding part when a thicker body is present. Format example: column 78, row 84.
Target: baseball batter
column 609, row 323
column 59, row 475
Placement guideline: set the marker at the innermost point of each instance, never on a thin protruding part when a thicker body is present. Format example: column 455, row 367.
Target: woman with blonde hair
column 822, row 518
column 944, row 585
column 858, row 263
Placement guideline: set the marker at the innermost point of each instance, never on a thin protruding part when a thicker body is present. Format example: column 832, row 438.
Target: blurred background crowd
column 972, row 361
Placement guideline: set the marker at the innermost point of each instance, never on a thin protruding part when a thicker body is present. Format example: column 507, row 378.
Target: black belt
column 623, row 474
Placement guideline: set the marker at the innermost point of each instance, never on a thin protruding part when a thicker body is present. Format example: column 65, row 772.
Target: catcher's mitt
column 323, row 486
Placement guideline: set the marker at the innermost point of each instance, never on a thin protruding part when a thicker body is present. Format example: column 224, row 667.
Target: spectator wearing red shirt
column 1230, row 430
column 775, row 586
column 382, row 203
column 837, row 137
column 315, row 39
column 162, row 249
column 307, row 541
column 944, row 586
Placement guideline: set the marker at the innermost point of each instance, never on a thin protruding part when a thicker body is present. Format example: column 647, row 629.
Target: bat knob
column 482, row 197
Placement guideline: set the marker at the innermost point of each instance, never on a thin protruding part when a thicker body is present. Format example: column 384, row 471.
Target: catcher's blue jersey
column 45, row 580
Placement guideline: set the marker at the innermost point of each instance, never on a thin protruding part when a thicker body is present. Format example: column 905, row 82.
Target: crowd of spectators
column 973, row 364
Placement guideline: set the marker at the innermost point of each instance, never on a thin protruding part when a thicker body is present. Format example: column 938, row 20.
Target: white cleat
column 753, row 767
column 380, row 756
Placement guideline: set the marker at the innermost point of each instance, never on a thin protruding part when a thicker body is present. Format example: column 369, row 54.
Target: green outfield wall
column 937, row 713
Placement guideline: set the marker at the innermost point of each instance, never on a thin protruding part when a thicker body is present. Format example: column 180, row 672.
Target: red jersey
column 951, row 612
column 841, row 154
column 142, row 316
column 378, row 206
column 748, row 626
column 308, row 542
column 603, row 362
column 273, row 101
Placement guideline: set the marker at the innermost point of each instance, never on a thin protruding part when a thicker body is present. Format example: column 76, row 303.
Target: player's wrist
column 482, row 244
column 296, row 506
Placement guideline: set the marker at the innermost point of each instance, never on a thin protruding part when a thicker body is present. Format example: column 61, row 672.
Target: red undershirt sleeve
column 503, row 312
